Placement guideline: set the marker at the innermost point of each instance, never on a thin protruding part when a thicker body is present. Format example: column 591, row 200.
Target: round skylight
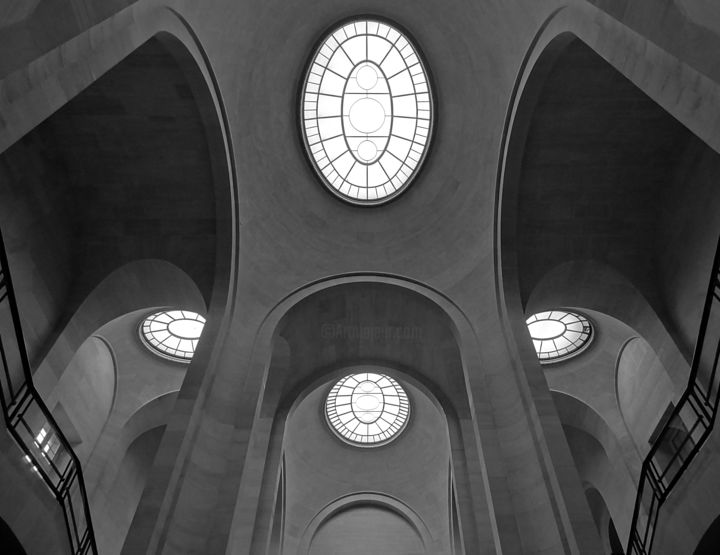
column 367, row 409
column 173, row 334
column 558, row 334
column 366, row 111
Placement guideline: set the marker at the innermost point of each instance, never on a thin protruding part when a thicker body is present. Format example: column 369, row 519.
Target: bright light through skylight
column 366, row 111
column 558, row 334
column 173, row 334
column 367, row 409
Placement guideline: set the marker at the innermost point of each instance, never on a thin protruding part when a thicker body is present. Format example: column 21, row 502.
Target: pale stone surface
column 188, row 153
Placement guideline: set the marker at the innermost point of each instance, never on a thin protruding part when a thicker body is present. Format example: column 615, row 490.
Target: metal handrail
column 33, row 427
column 685, row 432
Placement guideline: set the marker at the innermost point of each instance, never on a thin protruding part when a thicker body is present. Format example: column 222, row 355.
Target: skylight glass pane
column 367, row 409
column 367, row 111
column 558, row 334
column 172, row 334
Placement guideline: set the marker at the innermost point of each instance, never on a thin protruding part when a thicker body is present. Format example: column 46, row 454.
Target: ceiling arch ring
column 365, row 498
column 560, row 28
column 563, row 26
column 462, row 326
column 459, row 325
column 261, row 357
column 462, row 329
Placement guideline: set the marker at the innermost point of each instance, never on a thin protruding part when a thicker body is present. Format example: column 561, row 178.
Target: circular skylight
column 558, row 334
column 367, row 409
column 366, row 111
column 173, row 334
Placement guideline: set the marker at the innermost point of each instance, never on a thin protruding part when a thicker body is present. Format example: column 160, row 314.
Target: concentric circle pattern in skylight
column 367, row 409
column 558, row 334
column 366, row 111
column 172, row 334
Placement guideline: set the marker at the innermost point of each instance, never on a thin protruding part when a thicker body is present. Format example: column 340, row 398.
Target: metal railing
column 46, row 450
column 687, row 428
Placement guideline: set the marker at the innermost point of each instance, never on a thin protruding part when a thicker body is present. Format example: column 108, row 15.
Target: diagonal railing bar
column 689, row 425
column 33, row 427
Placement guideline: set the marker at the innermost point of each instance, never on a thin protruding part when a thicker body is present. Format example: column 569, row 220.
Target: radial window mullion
column 357, row 408
column 172, row 334
column 559, row 335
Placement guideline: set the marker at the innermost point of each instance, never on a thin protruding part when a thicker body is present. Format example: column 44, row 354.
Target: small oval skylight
column 558, row 334
column 367, row 409
column 367, row 111
column 172, row 334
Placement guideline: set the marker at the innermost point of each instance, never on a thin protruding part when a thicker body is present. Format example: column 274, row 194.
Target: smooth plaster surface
column 276, row 231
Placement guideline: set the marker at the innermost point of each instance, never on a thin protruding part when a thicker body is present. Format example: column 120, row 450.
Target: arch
column 82, row 63
column 120, row 467
column 379, row 325
column 277, row 394
column 84, row 395
column 364, row 499
column 136, row 285
column 582, row 32
column 644, row 391
column 157, row 36
column 114, row 516
column 601, row 515
column 140, row 379
column 661, row 77
column 599, row 458
column 597, row 286
column 153, row 414
column 576, row 413
column 592, row 380
column 148, row 386
column 319, row 468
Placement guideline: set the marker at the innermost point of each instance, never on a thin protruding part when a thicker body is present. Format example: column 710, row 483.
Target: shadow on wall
column 8, row 542
column 124, row 495
column 83, row 398
column 331, row 327
column 644, row 391
column 604, row 522
column 599, row 460
column 122, row 172
column 597, row 173
column 117, row 202
column 118, row 467
column 710, row 541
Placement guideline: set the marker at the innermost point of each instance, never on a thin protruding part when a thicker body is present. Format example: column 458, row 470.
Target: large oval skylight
column 367, row 409
column 366, row 111
column 173, row 334
column 558, row 334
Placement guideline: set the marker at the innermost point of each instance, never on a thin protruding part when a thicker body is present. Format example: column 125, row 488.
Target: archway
column 366, row 529
column 605, row 524
column 599, row 459
column 359, row 320
column 333, row 487
column 594, row 170
column 115, row 516
column 595, row 177
column 108, row 242
column 152, row 106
